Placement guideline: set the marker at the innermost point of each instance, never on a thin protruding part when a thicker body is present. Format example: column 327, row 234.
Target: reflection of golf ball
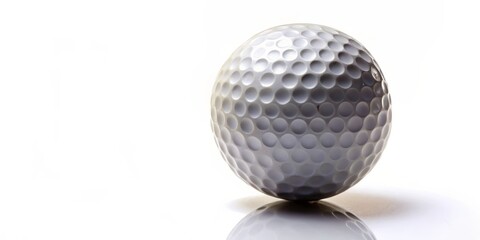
column 301, row 112
column 284, row 220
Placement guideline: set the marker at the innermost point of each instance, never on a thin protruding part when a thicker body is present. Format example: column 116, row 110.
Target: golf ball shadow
column 290, row 220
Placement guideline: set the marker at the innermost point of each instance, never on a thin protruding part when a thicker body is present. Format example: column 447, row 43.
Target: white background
column 104, row 117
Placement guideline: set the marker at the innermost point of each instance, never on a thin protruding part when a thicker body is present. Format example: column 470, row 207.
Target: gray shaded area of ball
column 287, row 220
column 301, row 112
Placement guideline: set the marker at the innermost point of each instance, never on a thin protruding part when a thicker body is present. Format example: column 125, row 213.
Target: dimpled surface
column 301, row 112
column 286, row 220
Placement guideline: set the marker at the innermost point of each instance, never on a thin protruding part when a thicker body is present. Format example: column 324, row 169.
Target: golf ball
column 301, row 112
column 287, row 220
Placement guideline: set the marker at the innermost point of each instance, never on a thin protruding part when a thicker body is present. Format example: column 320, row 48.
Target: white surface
column 104, row 107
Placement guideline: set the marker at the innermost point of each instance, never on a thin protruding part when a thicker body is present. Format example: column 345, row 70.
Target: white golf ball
column 301, row 112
